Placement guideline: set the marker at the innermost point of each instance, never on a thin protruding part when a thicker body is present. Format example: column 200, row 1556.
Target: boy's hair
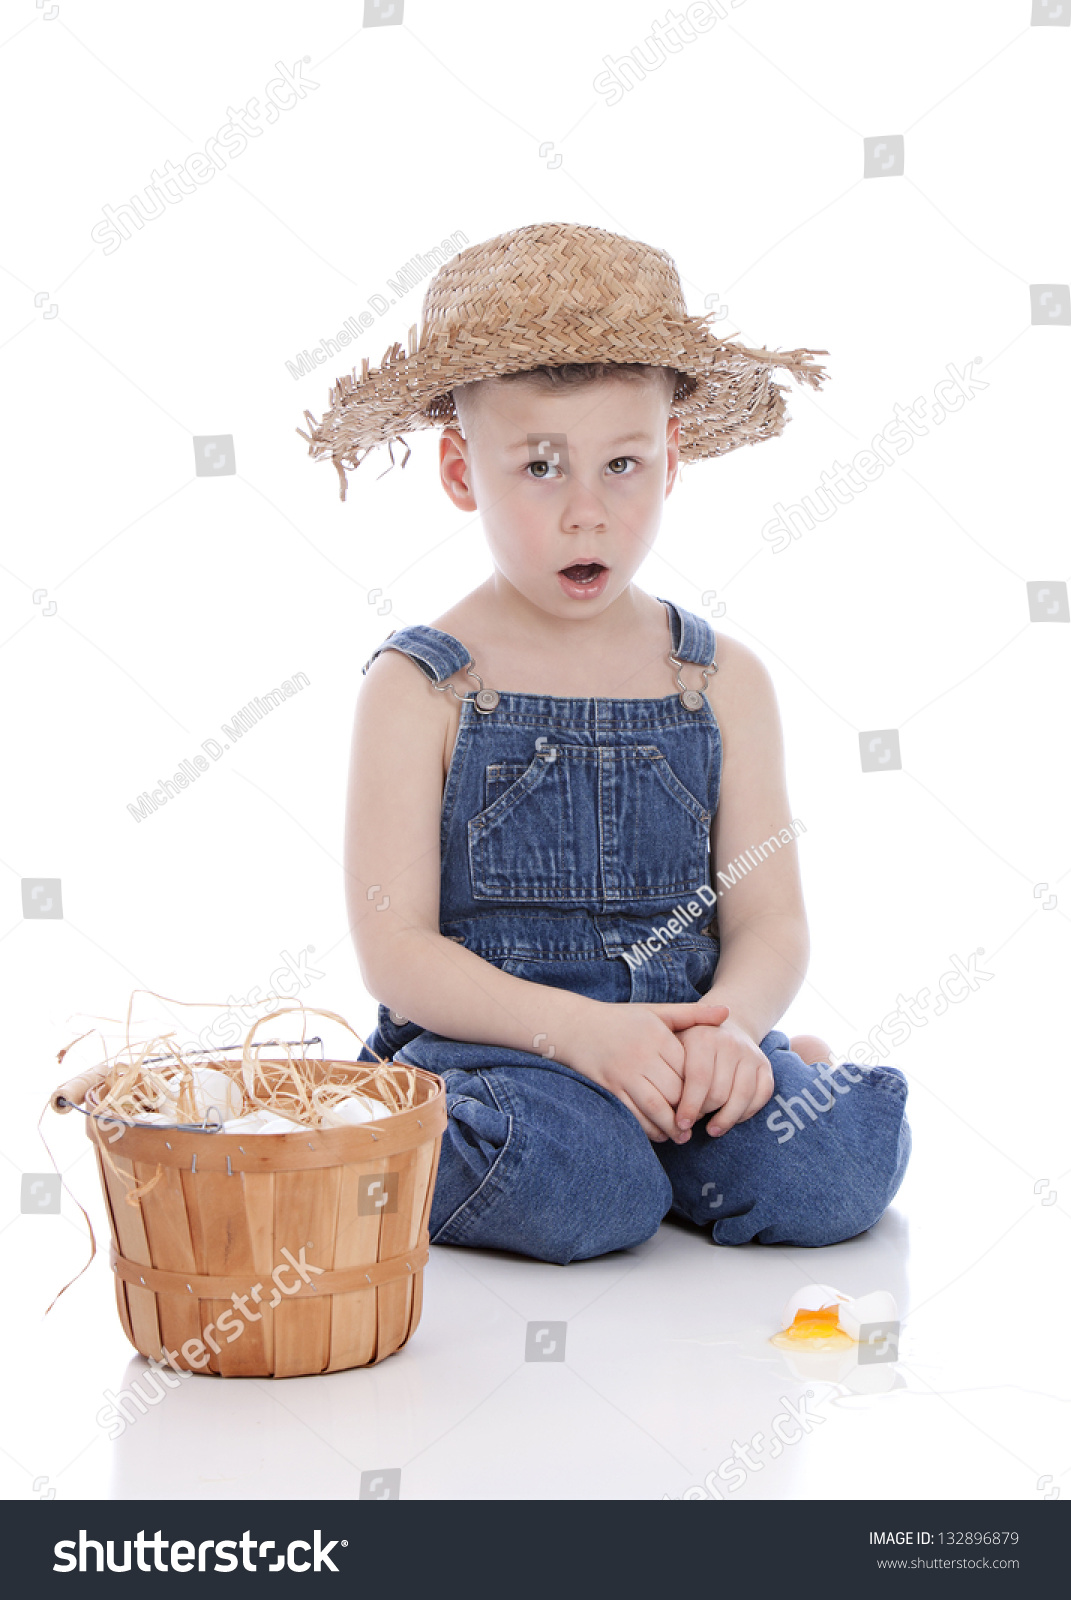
column 677, row 385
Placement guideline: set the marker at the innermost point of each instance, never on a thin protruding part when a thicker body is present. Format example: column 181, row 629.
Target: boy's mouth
column 583, row 572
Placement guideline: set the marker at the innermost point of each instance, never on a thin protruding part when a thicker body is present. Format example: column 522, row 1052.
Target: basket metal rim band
column 342, row 1280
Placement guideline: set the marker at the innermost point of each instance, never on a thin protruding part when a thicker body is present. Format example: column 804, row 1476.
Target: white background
column 170, row 600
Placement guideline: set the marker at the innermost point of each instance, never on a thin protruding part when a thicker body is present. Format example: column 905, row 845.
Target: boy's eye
column 545, row 468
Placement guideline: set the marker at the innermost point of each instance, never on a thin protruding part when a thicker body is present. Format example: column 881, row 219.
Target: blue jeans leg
column 820, row 1163
column 540, row 1160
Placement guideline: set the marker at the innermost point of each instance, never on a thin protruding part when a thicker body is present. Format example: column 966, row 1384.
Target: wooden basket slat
column 353, row 1316
column 227, row 1242
column 395, row 1299
column 306, row 1211
column 167, row 1225
column 435, row 1146
column 416, row 1304
column 167, row 1228
column 135, row 1246
column 180, row 1322
column 122, row 1305
column 425, row 1157
column 382, row 1345
column 259, row 1190
column 208, row 1311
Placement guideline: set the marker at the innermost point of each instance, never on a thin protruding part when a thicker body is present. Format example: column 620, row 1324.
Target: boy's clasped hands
column 672, row 1064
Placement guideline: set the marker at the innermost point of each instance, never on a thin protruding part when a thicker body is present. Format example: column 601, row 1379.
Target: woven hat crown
column 556, row 274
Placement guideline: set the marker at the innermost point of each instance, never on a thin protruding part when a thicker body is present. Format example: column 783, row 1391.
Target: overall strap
column 693, row 637
column 439, row 655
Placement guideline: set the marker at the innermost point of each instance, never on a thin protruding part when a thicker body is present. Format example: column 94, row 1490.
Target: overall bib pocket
column 611, row 823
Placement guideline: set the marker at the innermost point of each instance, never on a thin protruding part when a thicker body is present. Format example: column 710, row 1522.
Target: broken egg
column 821, row 1318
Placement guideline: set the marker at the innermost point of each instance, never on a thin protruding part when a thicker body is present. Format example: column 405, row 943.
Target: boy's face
column 601, row 500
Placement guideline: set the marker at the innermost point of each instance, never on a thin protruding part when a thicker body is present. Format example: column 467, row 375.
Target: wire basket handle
column 286, row 1011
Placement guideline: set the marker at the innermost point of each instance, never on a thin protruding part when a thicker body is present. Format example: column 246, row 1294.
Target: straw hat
column 547, row 295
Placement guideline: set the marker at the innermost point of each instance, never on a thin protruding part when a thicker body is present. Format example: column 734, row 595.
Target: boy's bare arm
column 762, row 923
column 392, row 866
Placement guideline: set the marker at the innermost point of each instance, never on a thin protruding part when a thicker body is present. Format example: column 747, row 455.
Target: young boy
column 532, row 868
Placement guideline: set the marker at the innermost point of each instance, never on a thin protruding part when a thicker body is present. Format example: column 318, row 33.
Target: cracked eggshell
column 812, row 1297
column 879, row 1306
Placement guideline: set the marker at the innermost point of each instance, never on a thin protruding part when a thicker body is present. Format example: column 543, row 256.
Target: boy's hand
column 634, row 1050
column 724, row 1072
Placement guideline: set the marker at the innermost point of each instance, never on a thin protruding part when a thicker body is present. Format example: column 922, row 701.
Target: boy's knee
column 837, row 1189
column 563, row 1175
column 628, row 1211
column 820, row 1164
column 606, row 1188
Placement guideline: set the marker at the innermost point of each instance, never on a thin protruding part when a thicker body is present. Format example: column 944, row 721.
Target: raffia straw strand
column 74, row 1197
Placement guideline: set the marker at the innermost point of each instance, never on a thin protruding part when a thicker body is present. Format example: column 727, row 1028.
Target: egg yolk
column 819, row 1328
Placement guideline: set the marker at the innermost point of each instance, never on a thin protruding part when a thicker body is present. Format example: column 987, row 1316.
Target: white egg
column 353, row 1111
column 878, row 1306
column 214, row 1090
column 252, row 1122
column 812, row 1297
column 274, row 1124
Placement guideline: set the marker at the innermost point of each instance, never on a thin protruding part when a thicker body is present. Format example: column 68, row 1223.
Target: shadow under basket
column 321, row 1234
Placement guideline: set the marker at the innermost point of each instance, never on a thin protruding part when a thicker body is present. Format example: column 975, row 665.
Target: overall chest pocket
column 606, row 823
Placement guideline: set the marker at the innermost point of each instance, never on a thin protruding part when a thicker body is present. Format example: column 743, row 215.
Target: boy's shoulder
column 738, row 658
column 742, row 696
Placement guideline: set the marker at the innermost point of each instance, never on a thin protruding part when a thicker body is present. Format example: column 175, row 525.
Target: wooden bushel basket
column 324, row 1232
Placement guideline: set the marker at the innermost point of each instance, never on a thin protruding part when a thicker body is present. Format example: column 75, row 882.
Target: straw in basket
column 271, row 1255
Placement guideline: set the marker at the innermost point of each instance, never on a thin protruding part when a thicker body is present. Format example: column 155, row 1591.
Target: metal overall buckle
column 693, row 699
column 484, row 699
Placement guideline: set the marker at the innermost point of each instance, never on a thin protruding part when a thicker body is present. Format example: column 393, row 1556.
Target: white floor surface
column 667, row 1363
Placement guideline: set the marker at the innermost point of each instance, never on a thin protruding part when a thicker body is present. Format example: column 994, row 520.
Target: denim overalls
column 572, row 829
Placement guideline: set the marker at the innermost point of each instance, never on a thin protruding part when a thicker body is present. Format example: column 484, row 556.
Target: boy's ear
column 673, row 452
column 454, row 467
